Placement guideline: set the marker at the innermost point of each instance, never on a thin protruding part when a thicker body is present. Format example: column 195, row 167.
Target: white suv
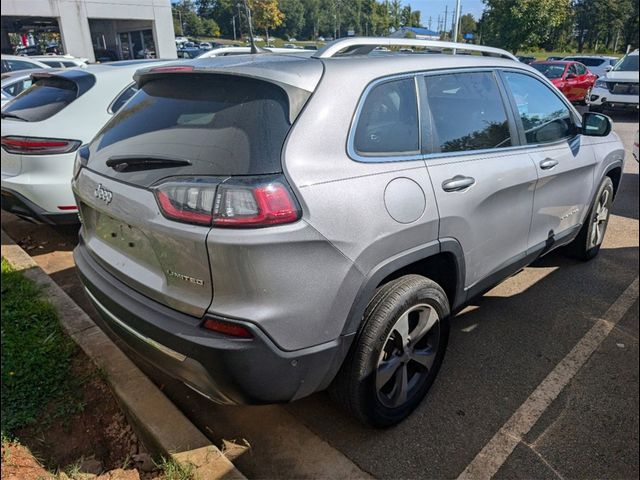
column 43, row 127
column 618, row 89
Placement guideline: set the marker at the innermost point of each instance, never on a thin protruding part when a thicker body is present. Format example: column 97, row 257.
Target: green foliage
column 513, row 24
column 176, row 471
column 37, row 383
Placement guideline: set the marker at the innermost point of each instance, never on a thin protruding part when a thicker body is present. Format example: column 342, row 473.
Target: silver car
column 264, row 227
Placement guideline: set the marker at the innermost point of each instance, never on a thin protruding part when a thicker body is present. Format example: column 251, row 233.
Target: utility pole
column 233, row 21
column 429, row 23
column 456, row 24
column 446, row 16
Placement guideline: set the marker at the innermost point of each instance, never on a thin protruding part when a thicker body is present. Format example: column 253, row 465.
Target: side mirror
column 596, row 124
column 608, row 68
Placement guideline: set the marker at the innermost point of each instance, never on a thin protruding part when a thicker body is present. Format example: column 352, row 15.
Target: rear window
column 217, row 124
column 45, row 98
column 589, row 62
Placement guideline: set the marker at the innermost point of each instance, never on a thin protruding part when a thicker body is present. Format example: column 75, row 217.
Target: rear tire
column 588, row 242
column 387, row 373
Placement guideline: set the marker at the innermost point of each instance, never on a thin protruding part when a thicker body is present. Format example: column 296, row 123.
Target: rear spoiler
column 297, row 96
column 82, row 80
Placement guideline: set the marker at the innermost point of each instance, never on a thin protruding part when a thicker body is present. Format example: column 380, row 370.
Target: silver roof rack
column 364, row 45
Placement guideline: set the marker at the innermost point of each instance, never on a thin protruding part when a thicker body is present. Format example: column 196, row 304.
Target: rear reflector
column 67, row 207
column 38, row 146
column 227, row 328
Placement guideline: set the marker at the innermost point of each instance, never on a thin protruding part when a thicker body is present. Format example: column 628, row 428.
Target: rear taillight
column 243, row 202
column 39, row 146
column 227, row 328
column 81, row 160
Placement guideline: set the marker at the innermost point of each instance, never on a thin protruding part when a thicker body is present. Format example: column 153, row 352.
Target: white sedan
column 43, row 128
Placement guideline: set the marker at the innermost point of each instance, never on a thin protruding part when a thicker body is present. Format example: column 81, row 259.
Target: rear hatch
column 147, row 190
column 22, row 133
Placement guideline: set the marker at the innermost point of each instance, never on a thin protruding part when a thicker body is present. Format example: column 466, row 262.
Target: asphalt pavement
column 501, row 348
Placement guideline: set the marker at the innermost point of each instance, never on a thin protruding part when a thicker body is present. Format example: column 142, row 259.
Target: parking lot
column 501, row 349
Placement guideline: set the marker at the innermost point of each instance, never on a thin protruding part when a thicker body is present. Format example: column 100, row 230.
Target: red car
column 573, row 79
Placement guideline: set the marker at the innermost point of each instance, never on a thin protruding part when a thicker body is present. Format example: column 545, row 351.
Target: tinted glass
column 549, row 70
column 43, row 99
column 17, row 87
column 467, row 111
column 572, row 69
column 69, row 64
column 52, row 63
column 544, row 116
column 19, row 65
column 220, row 125
column 588, row 61
column 123, row 98
column 627, row 64
column 388, row 121
column 580, row 69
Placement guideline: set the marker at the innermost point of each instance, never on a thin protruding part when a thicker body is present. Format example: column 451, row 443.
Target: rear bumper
column 224, row 369
column 21, row 206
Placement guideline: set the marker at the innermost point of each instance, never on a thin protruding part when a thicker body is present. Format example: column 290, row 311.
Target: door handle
column 457, row 183
column 548, row 163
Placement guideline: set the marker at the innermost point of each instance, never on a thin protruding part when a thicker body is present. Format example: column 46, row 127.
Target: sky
column 434, row 8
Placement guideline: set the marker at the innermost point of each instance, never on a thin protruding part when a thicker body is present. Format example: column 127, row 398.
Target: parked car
column 554, row 57
column 14, row 83
column 12, row 63
column 573, row 79
column 104, row 55
column 291, row 45
column 526, row 59
column 258, row 259
column 205, row 46
column 598, row 64
column 618, row 89
column 61, row 61
column 189, row 53
column 44, row 126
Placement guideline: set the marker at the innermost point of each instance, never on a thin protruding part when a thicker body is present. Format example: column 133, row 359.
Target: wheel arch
column 441, row 260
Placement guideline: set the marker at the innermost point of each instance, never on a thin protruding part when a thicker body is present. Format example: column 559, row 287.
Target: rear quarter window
column 45, row 98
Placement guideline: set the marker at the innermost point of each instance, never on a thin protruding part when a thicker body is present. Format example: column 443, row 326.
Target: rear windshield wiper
column 134, row 164
column 13, row 115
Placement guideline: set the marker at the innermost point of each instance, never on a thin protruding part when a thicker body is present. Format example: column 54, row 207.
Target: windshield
column 550, row 70
column 628, row 64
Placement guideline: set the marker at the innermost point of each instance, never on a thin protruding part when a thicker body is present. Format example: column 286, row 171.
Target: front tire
column 588, row 242
column 397, row 352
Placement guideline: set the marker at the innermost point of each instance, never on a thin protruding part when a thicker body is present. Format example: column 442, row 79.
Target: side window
column 572, row 69
column 467, row 112
column 581, row 69
column 123, row 98
column 544, row 116
column 388, row 121
column 17, row 87
column 19, row 65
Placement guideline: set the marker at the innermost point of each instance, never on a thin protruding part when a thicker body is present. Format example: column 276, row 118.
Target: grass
column 37, row 383
column 173, row 470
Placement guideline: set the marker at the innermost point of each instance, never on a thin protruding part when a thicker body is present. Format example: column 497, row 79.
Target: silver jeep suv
column 263, row 227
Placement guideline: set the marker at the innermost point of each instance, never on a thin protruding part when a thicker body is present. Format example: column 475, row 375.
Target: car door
column 584, row 80
column 565, row 164
column 483, row 187
column 572, row 80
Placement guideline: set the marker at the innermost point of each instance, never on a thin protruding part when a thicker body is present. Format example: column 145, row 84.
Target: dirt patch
column 98, row 431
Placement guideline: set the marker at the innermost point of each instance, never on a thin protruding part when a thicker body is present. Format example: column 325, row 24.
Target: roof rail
column 364, row 45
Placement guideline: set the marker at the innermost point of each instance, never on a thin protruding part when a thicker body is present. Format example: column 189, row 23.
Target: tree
column 467, row 25
column 294, row 13
column 395, row 14
column 513, row 24
column 266, row 15
column 210, row 28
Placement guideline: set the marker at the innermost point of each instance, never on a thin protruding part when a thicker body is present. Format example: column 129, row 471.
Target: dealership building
column 93, row 29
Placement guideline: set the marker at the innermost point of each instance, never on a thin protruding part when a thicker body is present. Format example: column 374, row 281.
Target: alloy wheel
column 600, row 219
column 408, row 355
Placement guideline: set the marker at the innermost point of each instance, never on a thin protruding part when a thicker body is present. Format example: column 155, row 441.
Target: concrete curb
column 158, row 422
